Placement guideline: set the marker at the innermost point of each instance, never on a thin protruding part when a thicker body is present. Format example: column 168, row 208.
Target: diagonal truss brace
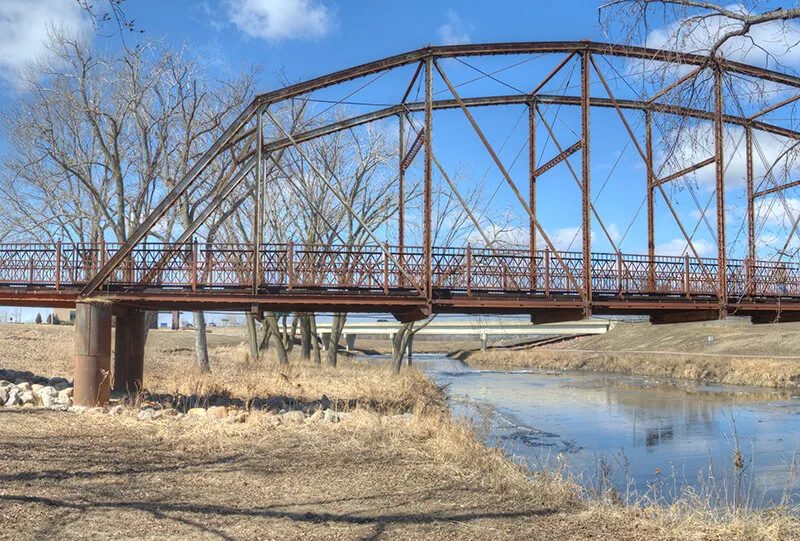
column 568, row 273
column 466, row 208
column 649, row 166
column 344, row 202
column 579, row 183
column 684, row 172
column 558, row 159
column 416, row 146
column 171, row 198
column 774, row 189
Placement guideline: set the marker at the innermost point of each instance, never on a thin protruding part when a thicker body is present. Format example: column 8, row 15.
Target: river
column 646, row 437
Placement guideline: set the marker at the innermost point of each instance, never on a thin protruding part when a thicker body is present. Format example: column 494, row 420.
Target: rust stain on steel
column 92, row 353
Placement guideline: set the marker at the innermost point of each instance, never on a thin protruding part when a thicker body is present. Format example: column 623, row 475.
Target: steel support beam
column 401, row 196
column 675, row 85
column 643, row 155
column 682, row 316
column 775, row 189
column 552, row 73
column 563, row 155
column 257, row 211
column 651, row 227
column 92, row 354
column 570, row 276
column 427, row 228
column 719, row 156
column 683, row 172
column 577, row 179
column 343, row 200
column 139, row 234
column 517, row 99
column 468, row 211
column 540, row 317
column 544, row 47
column 532, row 189
column 586, row 186
column 751, row 219
column 774, row 107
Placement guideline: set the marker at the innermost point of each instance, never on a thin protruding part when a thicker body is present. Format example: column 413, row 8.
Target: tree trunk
column 200, row 343
column 280, row 349
column 263, row 345
column 289, row 334
column 400, row 345
column 252, row 337
column 305, row 337
column 312, row 325
column 336, row 332
column 176, row 320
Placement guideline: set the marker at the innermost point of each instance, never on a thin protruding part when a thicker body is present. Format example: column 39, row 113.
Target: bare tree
column 98, row 138
column 703, row 27
column 360, row 166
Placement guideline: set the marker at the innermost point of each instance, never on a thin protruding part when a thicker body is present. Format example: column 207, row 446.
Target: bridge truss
column 414, row 280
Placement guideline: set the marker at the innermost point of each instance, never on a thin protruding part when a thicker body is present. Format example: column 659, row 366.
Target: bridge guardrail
column 465, row 271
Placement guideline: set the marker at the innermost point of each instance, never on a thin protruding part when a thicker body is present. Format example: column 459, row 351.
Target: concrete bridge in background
column 482, row 329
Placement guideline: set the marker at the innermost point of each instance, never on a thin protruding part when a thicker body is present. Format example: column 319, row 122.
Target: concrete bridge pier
column 92, row 353
column 129, row 340
column 349, row 341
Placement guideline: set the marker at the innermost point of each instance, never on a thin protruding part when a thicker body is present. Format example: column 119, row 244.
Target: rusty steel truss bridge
column 414, row 281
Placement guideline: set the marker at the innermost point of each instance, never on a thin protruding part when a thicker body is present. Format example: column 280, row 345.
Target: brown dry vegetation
column 743, row 354
column 371, row 476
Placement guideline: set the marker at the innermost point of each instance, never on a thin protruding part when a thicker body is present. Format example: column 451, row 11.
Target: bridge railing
column 465, row 271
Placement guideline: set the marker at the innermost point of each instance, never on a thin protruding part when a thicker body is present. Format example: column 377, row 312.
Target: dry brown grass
column 730, row 371
column 354, row 382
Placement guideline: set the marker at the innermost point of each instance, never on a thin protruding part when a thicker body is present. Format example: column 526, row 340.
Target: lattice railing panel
column 462, row 270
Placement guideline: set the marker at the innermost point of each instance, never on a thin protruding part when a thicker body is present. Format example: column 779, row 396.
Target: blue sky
column 308, row 38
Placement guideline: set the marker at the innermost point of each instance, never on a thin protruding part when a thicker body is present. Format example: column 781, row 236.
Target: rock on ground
column 217, row 412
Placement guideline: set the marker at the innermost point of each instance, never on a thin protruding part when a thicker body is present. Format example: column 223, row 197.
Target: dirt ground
column 375, row 475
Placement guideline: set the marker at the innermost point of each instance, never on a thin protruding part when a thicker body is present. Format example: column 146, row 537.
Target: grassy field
column 742, row 354
column 374, row 475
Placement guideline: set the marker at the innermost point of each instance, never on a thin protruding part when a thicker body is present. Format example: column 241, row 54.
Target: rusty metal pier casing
column 92, row 353
column 129, row 340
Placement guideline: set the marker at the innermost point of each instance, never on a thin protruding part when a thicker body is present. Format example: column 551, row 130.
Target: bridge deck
column 366, row 278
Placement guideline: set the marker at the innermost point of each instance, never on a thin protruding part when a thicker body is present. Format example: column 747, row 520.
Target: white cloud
column 679, row 246
column 770, row 245
column 23, row 30
column 764, row 45
column 501, row 236
column 567, row 239
column 696, row 144
column 277, row 20
column 774, row 211
column 454, row 31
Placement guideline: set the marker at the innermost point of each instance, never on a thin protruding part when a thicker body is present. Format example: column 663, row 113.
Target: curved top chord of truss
column 516, row 48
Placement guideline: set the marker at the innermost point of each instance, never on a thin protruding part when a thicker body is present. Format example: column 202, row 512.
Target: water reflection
column 645, row 432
